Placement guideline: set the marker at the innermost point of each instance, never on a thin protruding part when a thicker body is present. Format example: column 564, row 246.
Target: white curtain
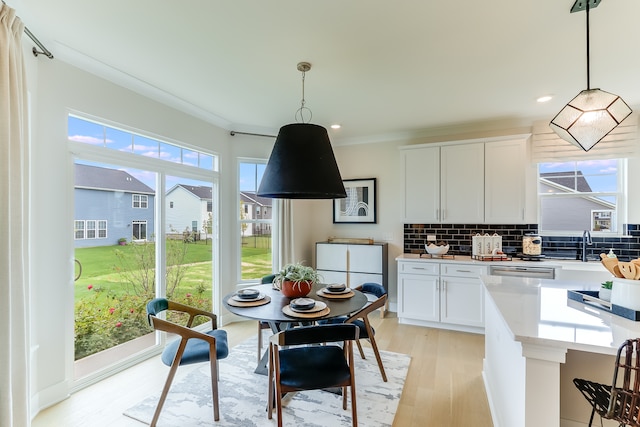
column 282, row 233
column 14, row 219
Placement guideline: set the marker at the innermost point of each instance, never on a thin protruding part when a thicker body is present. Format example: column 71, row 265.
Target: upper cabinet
column 462, row 183
column 421, row 169
column 505, row 182
column 478, row 181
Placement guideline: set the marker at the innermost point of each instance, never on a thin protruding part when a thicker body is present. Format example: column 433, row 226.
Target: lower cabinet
column 441, row 295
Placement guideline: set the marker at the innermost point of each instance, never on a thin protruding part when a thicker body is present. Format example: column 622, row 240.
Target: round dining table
column 272, row 312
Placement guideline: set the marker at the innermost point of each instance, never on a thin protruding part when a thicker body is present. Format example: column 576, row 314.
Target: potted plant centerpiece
column 296, row 280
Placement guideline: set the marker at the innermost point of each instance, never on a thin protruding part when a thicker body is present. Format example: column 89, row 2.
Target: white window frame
column 141, row 200
column 102, row 229
column 91, row 229
column 79, row 227
column 620, row 213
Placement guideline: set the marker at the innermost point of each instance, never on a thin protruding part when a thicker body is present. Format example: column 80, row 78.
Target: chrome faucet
column 586, row 240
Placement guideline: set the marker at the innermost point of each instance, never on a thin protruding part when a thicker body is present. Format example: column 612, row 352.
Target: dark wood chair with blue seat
column 361, row 319
column 619, row 401
column 297, row 362
column 192, row 347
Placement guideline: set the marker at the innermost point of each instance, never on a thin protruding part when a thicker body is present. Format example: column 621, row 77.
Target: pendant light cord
column 588, row 70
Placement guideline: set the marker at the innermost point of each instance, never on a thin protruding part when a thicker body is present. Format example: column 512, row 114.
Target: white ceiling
column 380, row 68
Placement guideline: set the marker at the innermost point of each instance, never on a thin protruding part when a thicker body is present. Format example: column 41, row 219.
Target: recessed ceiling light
column 336, row 126
column 545, row 98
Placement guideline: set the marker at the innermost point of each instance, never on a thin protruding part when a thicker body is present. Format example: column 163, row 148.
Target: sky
column 87, row 132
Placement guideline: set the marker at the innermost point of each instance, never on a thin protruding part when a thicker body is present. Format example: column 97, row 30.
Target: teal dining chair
column 192, row 347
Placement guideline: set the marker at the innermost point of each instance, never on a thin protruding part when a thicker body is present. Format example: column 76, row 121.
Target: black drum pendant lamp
column 593, row 113
column 302, row 164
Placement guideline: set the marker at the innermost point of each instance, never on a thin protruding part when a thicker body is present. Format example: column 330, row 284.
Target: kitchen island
column 533, row 332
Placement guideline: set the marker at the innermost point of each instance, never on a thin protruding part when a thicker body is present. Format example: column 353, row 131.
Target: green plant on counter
column 607, row 285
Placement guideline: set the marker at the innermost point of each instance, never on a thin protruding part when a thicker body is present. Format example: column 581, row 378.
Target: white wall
column 380, row 161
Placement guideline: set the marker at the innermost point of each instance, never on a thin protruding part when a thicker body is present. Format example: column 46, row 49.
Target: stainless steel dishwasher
column 523, row 271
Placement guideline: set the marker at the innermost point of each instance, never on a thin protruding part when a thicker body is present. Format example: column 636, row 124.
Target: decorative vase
column 604, row 294
column 295, row 289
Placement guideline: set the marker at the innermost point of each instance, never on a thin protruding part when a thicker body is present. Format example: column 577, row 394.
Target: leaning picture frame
column 359, row 207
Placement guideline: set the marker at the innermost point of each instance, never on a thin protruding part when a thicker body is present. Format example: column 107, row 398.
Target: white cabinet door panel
column 421, row 184
column 462, row 183
column 365, row 258
column 462, row 301
column 505, row 182
column 418, row 297
column 331, row 257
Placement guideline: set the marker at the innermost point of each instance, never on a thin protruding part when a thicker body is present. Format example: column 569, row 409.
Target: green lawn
column 99, row 269
column 99, row 266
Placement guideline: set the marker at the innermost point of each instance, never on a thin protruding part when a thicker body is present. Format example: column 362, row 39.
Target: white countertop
column 538, row 311
column 565, row 264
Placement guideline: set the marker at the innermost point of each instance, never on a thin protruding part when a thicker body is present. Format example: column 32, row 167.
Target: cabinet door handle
column 438, row 214
column 463, row 271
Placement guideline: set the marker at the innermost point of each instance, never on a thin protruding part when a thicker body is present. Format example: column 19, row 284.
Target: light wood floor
column 444, row 385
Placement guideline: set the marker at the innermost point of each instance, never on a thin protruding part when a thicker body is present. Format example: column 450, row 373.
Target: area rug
column 243, row 395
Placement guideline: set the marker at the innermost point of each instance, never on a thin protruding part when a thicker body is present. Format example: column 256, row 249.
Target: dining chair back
column 297, row 362
column 361, row 319
column 192, row 347
column 619, row 401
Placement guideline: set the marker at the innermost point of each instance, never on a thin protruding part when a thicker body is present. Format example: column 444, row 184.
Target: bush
column 105, row 320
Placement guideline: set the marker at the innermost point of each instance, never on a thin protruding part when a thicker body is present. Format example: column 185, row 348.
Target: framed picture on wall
column 360, row 204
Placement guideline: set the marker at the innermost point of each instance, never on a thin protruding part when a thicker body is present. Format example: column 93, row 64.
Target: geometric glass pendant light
column 593, row 113
column 302, row 164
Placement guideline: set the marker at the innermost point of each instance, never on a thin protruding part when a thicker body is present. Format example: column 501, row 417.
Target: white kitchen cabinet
column 462, row 294
column 421, row 168
column 419, row 291
column 441, row 295
column 352, row 264
column 505, row 181
column 473, row 182
column 462, row 183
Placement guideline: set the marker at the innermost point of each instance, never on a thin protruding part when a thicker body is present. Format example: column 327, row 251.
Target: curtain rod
column 233, row 133
column 43, row 50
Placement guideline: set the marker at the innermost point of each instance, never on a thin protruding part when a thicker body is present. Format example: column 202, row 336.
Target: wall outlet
column 431, row 237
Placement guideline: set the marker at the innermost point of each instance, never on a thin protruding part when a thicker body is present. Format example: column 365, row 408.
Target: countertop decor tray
column 591, row 298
